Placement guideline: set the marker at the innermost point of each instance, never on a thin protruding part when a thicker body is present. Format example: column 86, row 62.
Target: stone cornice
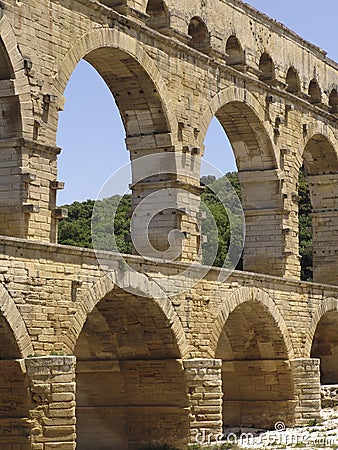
column 247, row 278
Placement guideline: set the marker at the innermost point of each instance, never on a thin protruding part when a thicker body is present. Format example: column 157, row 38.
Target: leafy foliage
column 108, row 234
column 305, row 227
column 76, row 230
column 221, row 203
column 97, row 216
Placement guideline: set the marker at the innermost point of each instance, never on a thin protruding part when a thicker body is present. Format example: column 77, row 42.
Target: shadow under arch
column 333, row 100
column 251, row 338
column 292, row 81
column 141, row 285
column 243, row 295
column 320, row 150
column 15, row 399
column 322, row 339
column 199, row 33
column 320, row 159
column 159, row 18
column 102, row 48
column 11, row 76
column 314, row 92
column 234, row 51
column 131, row 343
column 267, row 68
column 253, row 114
column 19, row 343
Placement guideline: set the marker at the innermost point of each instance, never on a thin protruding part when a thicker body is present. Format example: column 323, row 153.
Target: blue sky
column 90, row 130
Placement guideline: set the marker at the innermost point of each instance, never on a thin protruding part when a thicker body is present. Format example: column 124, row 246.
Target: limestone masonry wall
column 100, row 350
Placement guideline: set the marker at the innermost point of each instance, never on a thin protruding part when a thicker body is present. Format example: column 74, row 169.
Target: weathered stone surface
column 165, row 352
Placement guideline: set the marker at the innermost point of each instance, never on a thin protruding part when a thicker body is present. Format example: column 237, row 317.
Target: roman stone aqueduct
column 127, row 354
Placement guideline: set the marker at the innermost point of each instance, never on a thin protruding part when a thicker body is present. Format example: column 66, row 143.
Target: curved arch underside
column 135, row 94
column 325, row 347
column 10, row 116
column 251, row 144
column 320, row 156
column 9, row 348
column 127, row 343
column 15, row 399
column 251, row 333
column 257, row 381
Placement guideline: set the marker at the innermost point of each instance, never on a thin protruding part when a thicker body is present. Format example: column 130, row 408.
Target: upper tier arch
column 252, row 116
column 150, row 89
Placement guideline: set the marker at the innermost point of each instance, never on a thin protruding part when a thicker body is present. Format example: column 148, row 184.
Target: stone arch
column 129, row 340
column 13, row 322
column 8, row 37
column 333, row 101
column 234, row 51
column 199, row 33
column 266, row 68
column 141, row 285
column 12, row 75
column 15, row 398
column 158, row 13
column 243, row 119
column 326, row 306
column 6, row 68
column 241, row 97
column 320, row 150
column 244, row 295
column 320, row 160
column 314, row 92
column 292, row 81
column 105, row 40
column 322, row 339
column 319, row 128
column 254, row 346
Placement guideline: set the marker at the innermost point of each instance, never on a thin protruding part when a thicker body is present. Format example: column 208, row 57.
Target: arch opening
column 135, row 93
column 94, row 143
column 320, row 156
column 200, row 36
column 158, row 15
column 217, row 170
column 256, row 163
column 292, row 81
column 130, row 107
column 315, row 95
column 266, row 68
column 8, row 346
column 251, row 144
column 256, row 377
column 325, row 347
column 15, row 401
column 321, row 171
column 10, row 116
column 235, row 52
column 128, row 344
column 6, row 69
column 305, row 227
column 333, row 101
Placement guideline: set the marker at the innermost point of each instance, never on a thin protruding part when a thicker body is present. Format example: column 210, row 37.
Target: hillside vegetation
column 76, row 230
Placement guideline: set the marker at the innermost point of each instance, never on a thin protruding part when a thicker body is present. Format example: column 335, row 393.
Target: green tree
column 305, row 227
column 217, row 201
